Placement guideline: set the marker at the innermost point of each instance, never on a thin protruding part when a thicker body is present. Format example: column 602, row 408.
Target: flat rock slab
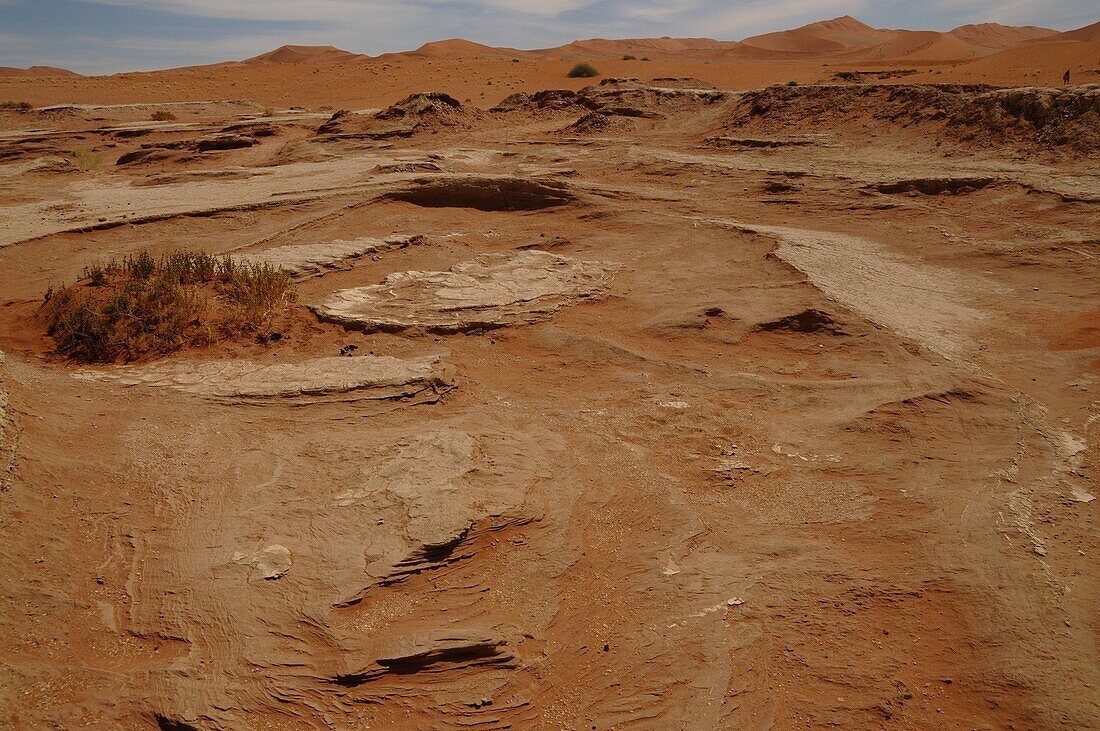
column 372, row 378
column 312, row 260
column 489, row 291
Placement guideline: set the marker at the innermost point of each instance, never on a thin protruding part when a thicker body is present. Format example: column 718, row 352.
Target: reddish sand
column 667, row 407
column 318, row 76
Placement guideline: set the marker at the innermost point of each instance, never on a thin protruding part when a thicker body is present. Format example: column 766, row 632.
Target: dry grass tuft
column 141, row 306
column 88, row 160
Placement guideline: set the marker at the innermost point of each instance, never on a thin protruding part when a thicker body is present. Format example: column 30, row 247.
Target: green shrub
column 583, row 71
column 141, row 306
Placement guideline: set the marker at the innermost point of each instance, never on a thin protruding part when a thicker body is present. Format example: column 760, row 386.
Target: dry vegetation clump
column 21, row 107
column 583, row 71
column 163, row 115
column 88, row 160
column 141, row 306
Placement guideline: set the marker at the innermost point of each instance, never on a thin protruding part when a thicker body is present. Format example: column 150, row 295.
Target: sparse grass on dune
column 142, row 306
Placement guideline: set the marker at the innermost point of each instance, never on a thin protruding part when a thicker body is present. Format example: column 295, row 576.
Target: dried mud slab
column 921, row 303
column 489, row 291
column 374, row 378
column 304, row 261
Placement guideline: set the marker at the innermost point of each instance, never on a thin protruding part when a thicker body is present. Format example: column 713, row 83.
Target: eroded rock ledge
column 373, row 378
column 304, row 261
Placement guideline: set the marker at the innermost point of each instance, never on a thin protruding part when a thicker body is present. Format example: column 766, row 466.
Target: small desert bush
column 16, row 106
column 128, row 309
column 583, row 71
column 88, row 159
column 163, row 115
column 628, row 57
column 792, row 83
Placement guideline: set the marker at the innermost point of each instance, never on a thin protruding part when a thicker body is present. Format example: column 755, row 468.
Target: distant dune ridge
column 36, row 71
column 304, row 54
column 843, row 39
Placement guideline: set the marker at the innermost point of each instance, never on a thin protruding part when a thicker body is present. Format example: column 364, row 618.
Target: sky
column 108, row 36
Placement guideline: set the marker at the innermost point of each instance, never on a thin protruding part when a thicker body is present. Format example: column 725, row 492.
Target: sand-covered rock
column 484, row 192
column 372, row 378
column 627, row 97
column 964, row 115
column 489, row 291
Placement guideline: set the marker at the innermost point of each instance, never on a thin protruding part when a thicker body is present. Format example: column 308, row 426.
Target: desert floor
column 781, row 417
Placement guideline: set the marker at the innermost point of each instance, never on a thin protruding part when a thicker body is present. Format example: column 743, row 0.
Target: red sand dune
column 824, row 37
column 844, row 38
column 1044, row 60
column 1088, row 33
column 995, row 35
column 305, row 54
column 923, row 46
column 603, row 48
column 461, row 48
column 36, row 71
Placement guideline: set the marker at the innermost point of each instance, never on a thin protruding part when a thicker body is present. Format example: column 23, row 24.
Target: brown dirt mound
column 1028, row 119
column 681, row 82
column 416, row 113
column 546, row 100
column 597, row 123
column 422, row 112
column 624, row 97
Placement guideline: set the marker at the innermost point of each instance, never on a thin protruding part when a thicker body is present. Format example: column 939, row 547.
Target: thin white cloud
column 340, row 10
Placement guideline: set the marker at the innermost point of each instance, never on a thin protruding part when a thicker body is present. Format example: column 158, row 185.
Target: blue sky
column 106, row 36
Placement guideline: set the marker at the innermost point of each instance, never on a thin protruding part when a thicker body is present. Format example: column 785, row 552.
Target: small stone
column 272, row 562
